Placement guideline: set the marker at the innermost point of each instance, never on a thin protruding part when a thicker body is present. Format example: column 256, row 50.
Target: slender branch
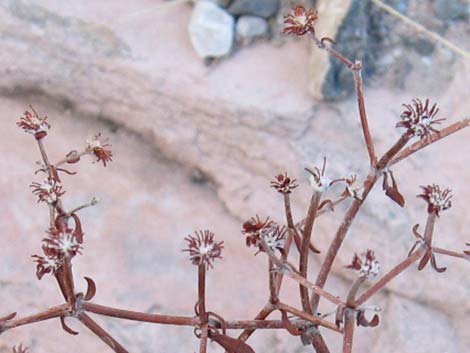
column 315, row 320
column 350, row 301
column 66, row 159
column 284, row 267
column 203, row 339
column 202, row 293
column 394, row 272
column 419, row 145
column 273, row 288
column 451, row 253
column 139, row 316
column 304, row 249
column 362, row 112
column 51, row 313
column 101, row 333
column 333, row 52
column 348, row 330
column 263, row 314
column 351, row 214
column 68, row 281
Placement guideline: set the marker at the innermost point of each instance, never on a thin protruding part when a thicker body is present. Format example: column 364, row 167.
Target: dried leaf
column 7, row 317
column 395, row 195
column 339, row 318
column 362, row 320
column 292, row 329
column 91, row 289
column 232, row 345
column 434, row 265
column 66, row 328
column 424, row 261
column 77, row 233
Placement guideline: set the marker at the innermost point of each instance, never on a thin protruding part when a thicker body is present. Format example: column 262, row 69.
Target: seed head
column 99, row 147
column 33, row 124
column 252, row 229
column 367, row 265
column 283, row 184
column 63, row 243
column 438, row 200
column 48, row 191
column 274, row 237
column 300, row 21
column 419, row 119
column 203, row 249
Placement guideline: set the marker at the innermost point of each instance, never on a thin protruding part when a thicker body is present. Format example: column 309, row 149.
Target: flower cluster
column 318, row 180
column 419, row 118
column 353, row 188
column 283, row 184
column 300, row 21
column 48, row 191
column 367, row 265
column 257, row 230
column 33, row 124
column 438, row 200
column 203, row 249
column 60, row 243
column 99, row 147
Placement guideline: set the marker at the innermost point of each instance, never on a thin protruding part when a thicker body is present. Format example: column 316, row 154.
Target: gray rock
column 262, row 8
column 221, row 3
column 448, row 10
column 250, row 27
column 211, row 30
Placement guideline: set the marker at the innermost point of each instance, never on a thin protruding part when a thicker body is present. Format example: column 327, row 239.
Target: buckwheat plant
column 64, row 239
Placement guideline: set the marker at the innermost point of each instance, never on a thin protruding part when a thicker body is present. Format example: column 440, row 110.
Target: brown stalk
column 315, row 320
column 419, row 145
column 51, row 313
column 101, row 333
column 263, row 314
column 450, row 253
column 139, row 316
column 273, row 288
column 349, row 321
column 362, row 111
column 304, row 249
column 351, row 214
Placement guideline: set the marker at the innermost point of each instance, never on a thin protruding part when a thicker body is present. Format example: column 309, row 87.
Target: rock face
column 211, row 30
column 262, row 8
column 168, row 114
column 249, row 28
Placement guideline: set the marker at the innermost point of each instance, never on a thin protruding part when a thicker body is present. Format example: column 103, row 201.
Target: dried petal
column 300, row 21
column 283, row 184
column 367, row 265
column 419, row 119
column 438, row 200
column 203, row 249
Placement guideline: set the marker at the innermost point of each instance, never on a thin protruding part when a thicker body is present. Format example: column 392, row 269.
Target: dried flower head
column 62, row 243
column 353, row 188
column 367, row 265
column 99, row 147
column 252, row 229
column 419, row 119
column 273, row 236
column 33, row 124
column 438, row 200
column 46, row 264
column 48, row 191
column 20, row 349
column 283, row 184
column 300, row 21
column 203, row 249
column 318, row 180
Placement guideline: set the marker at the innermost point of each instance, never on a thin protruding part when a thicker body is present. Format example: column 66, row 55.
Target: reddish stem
column 101, row 333
column 348, row 330
column 51, row 313
column 139, row 316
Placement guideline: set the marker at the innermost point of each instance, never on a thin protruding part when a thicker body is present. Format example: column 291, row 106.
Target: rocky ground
column 195, row 147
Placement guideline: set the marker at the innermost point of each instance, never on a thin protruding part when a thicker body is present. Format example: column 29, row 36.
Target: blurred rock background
column 198, row 131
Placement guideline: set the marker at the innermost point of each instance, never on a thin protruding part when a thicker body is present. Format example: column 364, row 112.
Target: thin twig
column 140, row 316
column 315, row 320
column 419, row 145
column 51, row 313
column 348, row 330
